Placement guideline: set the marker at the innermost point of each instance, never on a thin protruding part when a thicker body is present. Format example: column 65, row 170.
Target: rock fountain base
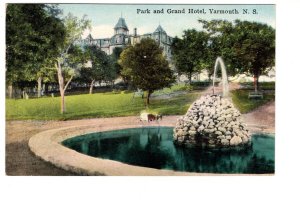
column 211, row 122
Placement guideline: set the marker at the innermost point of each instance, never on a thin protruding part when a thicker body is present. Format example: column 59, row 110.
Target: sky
column 105, row 16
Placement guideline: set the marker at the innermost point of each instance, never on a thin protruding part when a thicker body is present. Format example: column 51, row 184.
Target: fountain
column 220, row 61
column 212, row 121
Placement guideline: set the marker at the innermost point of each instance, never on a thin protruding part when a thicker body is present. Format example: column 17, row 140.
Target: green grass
column 262, row 85
column 119, row 104
column 244, row 104
column 95, row 105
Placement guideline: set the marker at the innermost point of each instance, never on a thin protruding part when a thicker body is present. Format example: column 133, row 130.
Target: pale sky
column 105, row 16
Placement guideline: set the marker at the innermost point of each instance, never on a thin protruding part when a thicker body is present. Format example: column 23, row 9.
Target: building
column 122, row 38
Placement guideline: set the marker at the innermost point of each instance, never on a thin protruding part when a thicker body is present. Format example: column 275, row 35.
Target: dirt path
column 21, row 161
column 262, row 119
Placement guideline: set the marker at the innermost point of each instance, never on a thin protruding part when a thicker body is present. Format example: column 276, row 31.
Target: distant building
column 122, row 38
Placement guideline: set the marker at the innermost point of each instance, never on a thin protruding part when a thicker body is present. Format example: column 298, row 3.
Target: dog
column 150, row 117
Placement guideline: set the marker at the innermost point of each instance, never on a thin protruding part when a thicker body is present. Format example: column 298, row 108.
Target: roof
column 121, row 24
column 159, row 29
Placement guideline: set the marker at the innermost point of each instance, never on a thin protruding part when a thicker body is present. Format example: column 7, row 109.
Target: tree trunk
column 61, row 88
column 39, row 81
column 190, row 78
column 255, row 82
column 92, row 86
column 46, row 88
column 148, row 97
column 62, row 102
column 10, row 91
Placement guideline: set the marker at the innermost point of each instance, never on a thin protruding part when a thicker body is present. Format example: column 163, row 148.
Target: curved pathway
column 262, row 119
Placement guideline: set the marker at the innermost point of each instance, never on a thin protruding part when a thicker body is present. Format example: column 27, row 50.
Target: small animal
column 150, row 117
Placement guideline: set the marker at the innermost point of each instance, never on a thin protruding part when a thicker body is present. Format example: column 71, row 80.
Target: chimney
column 134, row 32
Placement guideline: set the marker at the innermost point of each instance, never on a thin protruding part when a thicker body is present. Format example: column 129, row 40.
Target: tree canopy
column 190, row 53
column 146, row 67
column 101, row 69
column 247, row 47
column 34, row 33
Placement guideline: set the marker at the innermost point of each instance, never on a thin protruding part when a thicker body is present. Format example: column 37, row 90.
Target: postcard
column 140, row 89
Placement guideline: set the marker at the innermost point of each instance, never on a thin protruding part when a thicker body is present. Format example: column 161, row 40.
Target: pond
column 153, row 147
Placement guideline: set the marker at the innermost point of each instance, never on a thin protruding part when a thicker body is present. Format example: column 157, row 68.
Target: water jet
column 220, row 62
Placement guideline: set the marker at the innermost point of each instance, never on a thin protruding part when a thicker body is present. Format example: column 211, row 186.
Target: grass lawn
column 262, row 85
column 244, row 104
column 95, row 105
column 119, row 104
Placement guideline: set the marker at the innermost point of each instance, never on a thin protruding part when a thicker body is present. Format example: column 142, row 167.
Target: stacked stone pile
column 211, row 121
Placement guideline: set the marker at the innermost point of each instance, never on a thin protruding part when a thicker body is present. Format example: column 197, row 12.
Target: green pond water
column 153, row 147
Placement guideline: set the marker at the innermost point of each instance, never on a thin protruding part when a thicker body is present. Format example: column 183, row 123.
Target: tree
column 101, row 69
column 146, row 67
column 74, row 29
column 247, row 47
column 255, row 47
column 189, row 53
column 46, row 75
column 217, row 45
column 33, row 34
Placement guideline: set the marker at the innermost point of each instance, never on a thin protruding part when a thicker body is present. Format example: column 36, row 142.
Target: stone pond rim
column 211, row 122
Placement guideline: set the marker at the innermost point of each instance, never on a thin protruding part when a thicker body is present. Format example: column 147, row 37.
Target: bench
column 255, row 95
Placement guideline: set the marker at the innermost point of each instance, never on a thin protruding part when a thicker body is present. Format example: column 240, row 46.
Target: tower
column 121, row 27
column 164, row 41
column 160, row 34
column 120, row 38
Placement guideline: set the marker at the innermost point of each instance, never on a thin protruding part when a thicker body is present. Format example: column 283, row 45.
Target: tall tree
column 146, row 67
column 254, row 48
column 189, row 53
column 247, row 47
column 219, row 44
column 34, row 33
column 74, row 29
